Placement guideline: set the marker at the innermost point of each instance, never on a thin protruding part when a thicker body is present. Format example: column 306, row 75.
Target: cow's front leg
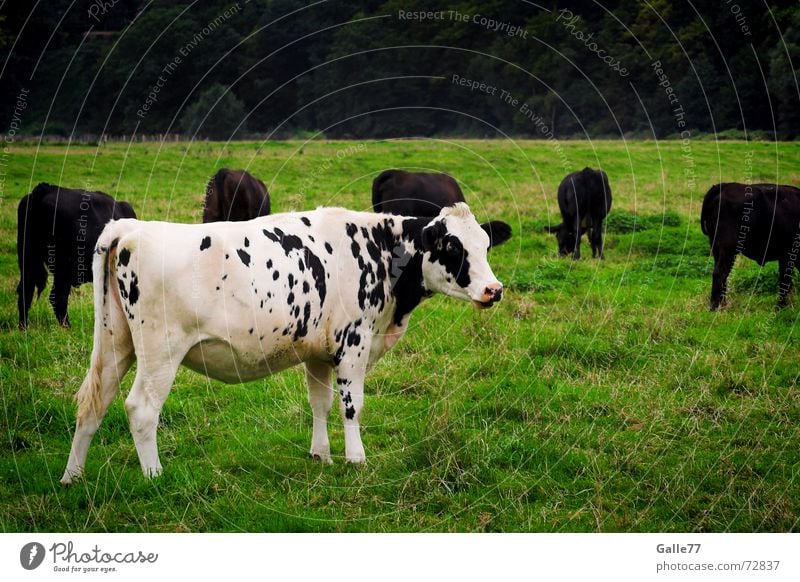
column 320, row 397
column 576, row 252
column 719, row 281
column 350, row 384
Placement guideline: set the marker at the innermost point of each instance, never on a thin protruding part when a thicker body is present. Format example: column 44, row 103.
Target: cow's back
column 414, row 193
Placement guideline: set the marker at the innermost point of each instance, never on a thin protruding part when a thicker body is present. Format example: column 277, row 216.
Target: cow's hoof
column 152, row 472
column 69, row 477
column 357, row 459
column 324, row 458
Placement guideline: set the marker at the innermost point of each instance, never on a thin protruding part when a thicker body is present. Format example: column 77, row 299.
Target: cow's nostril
column 493, row 293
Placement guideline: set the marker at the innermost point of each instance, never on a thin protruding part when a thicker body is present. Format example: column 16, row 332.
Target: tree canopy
column 389, row 68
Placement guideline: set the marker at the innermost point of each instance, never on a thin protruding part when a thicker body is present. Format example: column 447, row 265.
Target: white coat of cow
column 331, row 288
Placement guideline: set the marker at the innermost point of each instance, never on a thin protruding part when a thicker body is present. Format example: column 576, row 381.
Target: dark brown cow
column 424, row 194
column 57, row 229
column 235, row 195
column 759, row 221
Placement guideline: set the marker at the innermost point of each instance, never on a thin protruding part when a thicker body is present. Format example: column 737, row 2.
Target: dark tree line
column 378, row 68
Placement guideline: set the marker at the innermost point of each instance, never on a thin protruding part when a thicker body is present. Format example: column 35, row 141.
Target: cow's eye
column 451, row 249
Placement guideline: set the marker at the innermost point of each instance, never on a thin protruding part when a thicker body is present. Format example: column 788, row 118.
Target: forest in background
column 378, row 68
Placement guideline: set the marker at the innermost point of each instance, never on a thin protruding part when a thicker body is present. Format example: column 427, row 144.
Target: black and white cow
column 332, row 289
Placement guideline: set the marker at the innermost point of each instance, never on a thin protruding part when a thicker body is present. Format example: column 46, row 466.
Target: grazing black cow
column 584, row 199
column 57, row 229
column 759, row 221
column 424, row 194
column 235, row 195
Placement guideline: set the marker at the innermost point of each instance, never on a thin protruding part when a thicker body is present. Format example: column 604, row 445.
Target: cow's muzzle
column 491, row 295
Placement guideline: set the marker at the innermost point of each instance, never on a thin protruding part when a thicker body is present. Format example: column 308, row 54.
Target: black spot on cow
column 349, row 412
column 225, row 276
column 124, row 257
column 275, row 275
column 123, row 292
column 269, row 263
column 305, row 221
column 205, row 243
column 329, row 248
column 306, row 287
column 289, row 243
column 290, row 299
column 291, row 281
column 227, row 255
column 244, row 256
column 302, row 324
column 246, row 242
column 251, row 331
column 300, row 265
column 133, row 294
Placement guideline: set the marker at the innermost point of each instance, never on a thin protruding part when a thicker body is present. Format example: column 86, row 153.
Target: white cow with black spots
column 332, row 289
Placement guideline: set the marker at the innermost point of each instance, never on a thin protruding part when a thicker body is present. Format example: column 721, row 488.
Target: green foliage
column 597, row 396
column 358, row 69
column 623, row 222
column 216, row 114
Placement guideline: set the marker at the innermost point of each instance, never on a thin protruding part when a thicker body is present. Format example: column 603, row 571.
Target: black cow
column 57, row 229
column 584, row 199
column 759, row 221
column 235, row 195
column 424, row 194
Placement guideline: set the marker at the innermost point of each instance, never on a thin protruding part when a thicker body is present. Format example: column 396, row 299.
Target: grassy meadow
column 596, row 397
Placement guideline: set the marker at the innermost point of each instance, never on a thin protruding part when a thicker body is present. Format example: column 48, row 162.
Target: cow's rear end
column 112, row 352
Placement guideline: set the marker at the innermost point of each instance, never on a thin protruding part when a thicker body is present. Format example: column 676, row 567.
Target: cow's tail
column 377, row 184
column 107, row 311
column 29, row 250
column 709, row 212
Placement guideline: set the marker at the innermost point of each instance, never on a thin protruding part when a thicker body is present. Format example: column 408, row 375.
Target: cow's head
column 565, row 236
column 454, row 262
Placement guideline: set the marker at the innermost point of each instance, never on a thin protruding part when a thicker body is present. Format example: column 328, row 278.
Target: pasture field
column 597, row 396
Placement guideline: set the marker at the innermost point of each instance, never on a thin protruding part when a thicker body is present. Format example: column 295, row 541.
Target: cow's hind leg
column 150, row 389
column 723, row 263
column 597, row 239
column 59, row 295
column 96, row 394
column 320, row 396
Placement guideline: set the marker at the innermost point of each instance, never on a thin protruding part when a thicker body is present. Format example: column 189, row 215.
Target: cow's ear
column 554, row 229
column 432, row 235
column 498, row 231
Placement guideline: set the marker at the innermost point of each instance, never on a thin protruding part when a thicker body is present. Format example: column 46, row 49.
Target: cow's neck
column 407, row 282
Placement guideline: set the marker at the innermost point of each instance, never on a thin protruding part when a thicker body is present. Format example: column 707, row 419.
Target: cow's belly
column 222, row 361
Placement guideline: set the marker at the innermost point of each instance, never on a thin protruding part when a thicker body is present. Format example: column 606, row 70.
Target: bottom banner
column 398, row 556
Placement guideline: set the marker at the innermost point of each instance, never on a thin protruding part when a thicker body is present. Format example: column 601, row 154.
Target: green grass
column 598, row 396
